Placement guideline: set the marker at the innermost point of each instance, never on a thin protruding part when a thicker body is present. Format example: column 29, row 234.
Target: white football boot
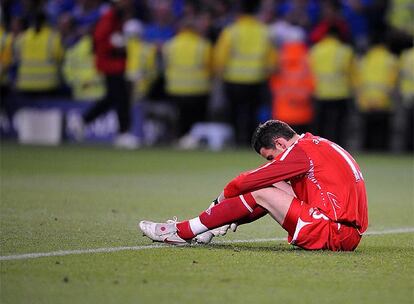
column 162, row 232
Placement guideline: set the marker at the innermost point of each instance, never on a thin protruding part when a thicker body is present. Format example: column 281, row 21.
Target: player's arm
column 294, row 163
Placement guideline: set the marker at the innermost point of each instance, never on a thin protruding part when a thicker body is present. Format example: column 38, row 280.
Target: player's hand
column 220, row 231
column 206, row 237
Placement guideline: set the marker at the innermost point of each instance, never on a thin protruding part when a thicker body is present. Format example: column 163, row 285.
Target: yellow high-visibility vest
column 401, row 15
column 141, row 67
column 407, row 74
column 331, row 63
column 244, row 53
column 187, row 59
column 6, row 54
column 80, row 72
column 376, row 79
column 39, row 55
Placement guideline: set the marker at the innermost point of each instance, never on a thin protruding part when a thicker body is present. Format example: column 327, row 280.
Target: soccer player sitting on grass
column 311, row 186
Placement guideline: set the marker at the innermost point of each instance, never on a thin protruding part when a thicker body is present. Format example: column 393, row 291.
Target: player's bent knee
column 275, row 201
column 270, row 193
column 266, row 196
column 263, row 193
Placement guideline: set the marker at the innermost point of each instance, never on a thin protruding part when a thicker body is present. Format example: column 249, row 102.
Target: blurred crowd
column 341, row 69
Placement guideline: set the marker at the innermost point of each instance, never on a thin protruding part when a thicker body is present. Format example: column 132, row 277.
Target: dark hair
column 39, row 19
column 266, row 132
column 334, row 30
column 248, row 6
column 378, row 37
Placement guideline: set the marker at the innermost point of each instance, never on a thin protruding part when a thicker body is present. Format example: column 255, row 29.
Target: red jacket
column 109, row 59
column 322, row 29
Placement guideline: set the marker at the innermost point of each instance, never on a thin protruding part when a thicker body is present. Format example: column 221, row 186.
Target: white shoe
column 126, row 141
column 162, row 232
column 77, row 126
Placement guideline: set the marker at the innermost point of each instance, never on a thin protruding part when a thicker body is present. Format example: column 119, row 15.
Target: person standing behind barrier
column 159, row 29
column 141, row 66
column 376, row 79
column 406, row 87
column 80, row 72
column 6, row 54
column 39, row 54
column 331, row 16
column 292, row 86
column 244, row 59
column 332, row 63
column 110, row 59
column 188, row 62
column 6, row 59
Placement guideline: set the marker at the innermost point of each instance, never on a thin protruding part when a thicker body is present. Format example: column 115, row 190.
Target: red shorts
column 310, row 229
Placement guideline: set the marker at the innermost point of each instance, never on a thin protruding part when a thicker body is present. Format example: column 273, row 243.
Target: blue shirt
column 156, row 33
column 358, row 21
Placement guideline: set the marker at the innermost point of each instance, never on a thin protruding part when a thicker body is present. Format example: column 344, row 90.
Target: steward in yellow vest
column 332, row 63
column 243, row 53
column 141, row 67
column 406, row 87
column 80, row 72
column 39, row 54
column 244, row 59
column 400, row 15
column 187, row 60
column 407, row 75
column 376, row 80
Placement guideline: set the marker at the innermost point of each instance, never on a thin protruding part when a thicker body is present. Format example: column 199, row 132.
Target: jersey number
column 350, row 161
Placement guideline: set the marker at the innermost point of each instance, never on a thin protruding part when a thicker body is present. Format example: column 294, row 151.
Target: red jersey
column 322, row 174
column 109, row 59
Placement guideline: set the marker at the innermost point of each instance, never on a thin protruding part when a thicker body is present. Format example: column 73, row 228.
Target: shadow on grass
column 269, row 247
column 365, row 250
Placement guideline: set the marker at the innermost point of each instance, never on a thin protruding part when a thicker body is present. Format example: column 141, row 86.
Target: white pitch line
column 27, row 256
column 390, row 231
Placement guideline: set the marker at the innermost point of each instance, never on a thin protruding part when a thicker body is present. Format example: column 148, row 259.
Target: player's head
column 271, row 138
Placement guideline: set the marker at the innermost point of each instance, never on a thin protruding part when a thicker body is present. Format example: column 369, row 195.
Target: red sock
column 257, row 213
column 228, row 211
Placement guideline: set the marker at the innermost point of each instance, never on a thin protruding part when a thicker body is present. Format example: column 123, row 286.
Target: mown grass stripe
column 27, row 256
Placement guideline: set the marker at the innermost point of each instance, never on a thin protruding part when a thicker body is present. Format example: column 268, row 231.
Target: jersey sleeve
column 291, row 163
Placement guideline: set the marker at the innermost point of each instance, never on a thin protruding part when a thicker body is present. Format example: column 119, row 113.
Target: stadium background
column 155, row 119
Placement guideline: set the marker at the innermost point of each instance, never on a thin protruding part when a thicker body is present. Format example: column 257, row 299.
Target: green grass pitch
column 76, row 198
